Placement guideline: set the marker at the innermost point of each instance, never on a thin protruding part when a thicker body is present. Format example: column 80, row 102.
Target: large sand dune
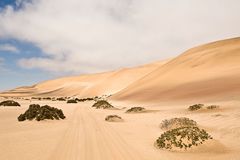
column 207, row 72
column 210, row 71
column 86, row 85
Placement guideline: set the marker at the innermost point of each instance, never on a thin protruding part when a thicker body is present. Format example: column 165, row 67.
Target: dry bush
column 61, row 99
column 71, row 101
column 213, row 107
column 9, row 103
column 35, row 111
column 182, row 138
column 102, row 104
column 136, row 110
column 195, row 107
column 177, row 122
column 113, row 118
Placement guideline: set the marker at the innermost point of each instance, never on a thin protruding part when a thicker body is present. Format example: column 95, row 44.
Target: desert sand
column 84, row 134
column 206, row 74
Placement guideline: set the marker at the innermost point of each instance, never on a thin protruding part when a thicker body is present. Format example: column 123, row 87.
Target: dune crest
column 206, row 72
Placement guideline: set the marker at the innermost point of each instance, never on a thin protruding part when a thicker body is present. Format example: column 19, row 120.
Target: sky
column 46, row 39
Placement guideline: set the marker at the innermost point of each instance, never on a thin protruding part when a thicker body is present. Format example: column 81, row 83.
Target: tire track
column 89, row 139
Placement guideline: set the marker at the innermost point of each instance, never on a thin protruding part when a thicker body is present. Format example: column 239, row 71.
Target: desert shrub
column 212, row 107
column 102, row 104
column 71, row 101
column 177, row 122
column 47, row 98
column 9, row 103
column 113, row 118
column 21, row 117
column 36, row 98
column 195, row 107
column 61, row 99
column 182, row 138
column 84, row 99
column 135, row 110
column 35, row 111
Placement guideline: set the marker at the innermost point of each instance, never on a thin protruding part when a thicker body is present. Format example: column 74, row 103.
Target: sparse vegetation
column 61, row 99
column 103, row 97
column 47, row 98
column 37, row 98
column 84, row 99
column 195, row 107
column 71, row 101
column 182, row 138
column 9, row 103
column 213, row 107
column 113, row 118
column 102, row 104
column 136, row 110
column 168, row 124
column 35, row 111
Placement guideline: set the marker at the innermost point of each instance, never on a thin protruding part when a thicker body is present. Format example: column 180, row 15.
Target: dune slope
column 86, row 85
column 206, row 72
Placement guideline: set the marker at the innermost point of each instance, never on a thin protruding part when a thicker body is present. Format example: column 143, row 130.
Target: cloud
column 8, row 48
column 97, row 35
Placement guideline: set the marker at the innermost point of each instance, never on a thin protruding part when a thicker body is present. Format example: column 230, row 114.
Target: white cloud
column 97, row 35
column 8, row 48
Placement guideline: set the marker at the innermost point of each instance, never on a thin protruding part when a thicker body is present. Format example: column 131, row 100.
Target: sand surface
column 85, row 135
column 207, row 72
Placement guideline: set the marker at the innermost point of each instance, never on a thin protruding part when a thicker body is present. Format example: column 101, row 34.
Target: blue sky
column 12, row 75
column 3, row 3
column 42, row 39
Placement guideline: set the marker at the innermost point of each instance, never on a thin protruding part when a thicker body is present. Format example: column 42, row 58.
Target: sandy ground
column 85, row 135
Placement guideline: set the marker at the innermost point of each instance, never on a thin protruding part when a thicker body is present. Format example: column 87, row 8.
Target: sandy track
column 89, row 139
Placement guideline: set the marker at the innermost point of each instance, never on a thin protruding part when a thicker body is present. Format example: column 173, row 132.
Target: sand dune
column 206, row 72
column 86, row 85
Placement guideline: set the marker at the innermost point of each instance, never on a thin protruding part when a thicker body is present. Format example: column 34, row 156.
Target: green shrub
column 182, row 138
column 9, row 103
column 212, row 107
column 102, row 104
column 177, row 122
column 195, row 107
column 135, row 110
column 113, row 118
column 35, row 111
column 71, row 101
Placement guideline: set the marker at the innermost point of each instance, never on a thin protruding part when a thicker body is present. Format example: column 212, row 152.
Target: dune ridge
column 205, row 72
